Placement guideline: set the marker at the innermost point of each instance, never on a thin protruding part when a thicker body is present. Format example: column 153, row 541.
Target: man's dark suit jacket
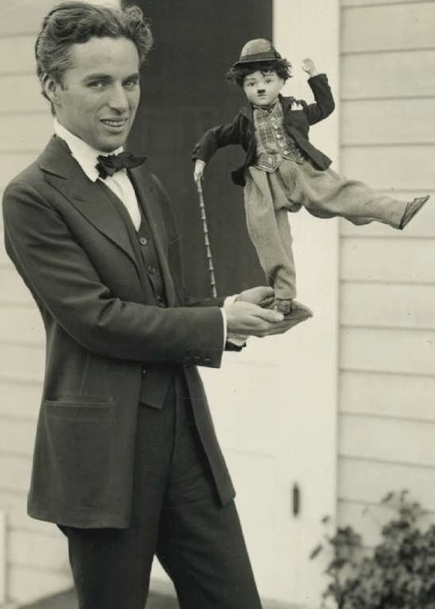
column 297, row 123
column 106, row 335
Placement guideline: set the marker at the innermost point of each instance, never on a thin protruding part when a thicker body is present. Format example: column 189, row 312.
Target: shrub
column 398, row 573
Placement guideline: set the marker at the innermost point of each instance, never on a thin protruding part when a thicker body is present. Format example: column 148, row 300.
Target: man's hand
column 248, row 319
column 262, row 296
column 309, row 67
column 198, row 171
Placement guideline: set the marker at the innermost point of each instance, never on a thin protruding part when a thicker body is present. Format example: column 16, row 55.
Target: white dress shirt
column 119, row 182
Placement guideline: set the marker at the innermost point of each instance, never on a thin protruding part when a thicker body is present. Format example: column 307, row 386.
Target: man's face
column 99, row 95
column 262, row 88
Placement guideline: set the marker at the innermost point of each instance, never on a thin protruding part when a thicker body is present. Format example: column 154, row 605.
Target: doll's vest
column 273, row 142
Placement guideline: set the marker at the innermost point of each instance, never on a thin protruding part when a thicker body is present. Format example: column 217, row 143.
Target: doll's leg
column 326, row 194
column 285, row 236
column 272, row 243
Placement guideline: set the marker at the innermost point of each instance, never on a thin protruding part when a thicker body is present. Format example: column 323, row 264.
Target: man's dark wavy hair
column 77, row 22
column 281, row 67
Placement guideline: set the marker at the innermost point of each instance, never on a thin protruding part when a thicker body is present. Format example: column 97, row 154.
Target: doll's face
column 262, row 88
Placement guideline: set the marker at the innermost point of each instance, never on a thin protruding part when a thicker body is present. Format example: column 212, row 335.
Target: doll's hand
column 198, row 172
column 309, row 67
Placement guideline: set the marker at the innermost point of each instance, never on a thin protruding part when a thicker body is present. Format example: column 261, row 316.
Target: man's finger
column 269, row 315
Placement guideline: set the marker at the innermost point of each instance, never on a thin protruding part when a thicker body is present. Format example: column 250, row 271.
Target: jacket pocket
column 78, row 435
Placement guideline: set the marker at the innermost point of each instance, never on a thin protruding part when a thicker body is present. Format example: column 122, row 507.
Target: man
column 126, row 460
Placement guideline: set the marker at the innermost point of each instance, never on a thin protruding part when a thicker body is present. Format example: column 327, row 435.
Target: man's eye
column 97, row 84
column 131, row 84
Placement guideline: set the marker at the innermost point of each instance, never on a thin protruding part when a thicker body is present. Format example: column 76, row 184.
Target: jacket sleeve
column 215, row 138
column 71, row 295
column 324, row 104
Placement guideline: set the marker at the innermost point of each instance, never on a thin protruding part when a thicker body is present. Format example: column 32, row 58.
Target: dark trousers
column 176, row 516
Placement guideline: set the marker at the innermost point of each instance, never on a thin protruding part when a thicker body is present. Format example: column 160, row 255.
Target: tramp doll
column 283, row 171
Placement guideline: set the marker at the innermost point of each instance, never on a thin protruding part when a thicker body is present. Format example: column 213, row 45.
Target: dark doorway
column 185, row 93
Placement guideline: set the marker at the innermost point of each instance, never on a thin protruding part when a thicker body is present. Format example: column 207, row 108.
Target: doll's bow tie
column 108, row 165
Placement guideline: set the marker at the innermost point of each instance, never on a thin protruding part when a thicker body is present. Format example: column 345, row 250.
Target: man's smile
column 115, row 122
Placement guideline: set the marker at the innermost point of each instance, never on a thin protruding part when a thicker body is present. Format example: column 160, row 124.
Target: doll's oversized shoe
column 412, row 209
column 298, row 312
column 283, row 305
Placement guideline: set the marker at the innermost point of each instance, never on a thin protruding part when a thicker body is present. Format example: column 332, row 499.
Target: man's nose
column 118, row 98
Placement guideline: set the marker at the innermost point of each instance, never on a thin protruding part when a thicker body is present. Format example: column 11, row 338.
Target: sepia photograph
column 217, row 304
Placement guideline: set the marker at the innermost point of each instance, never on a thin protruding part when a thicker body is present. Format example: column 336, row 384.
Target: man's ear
column 50, row 88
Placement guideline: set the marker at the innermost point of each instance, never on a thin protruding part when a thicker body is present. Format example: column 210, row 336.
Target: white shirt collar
column 85, row 155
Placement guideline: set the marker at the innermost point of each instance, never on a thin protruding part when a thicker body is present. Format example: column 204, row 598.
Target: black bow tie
column 108, row 165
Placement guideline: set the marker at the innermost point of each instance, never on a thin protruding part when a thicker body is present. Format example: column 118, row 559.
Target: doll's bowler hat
column 257, row 50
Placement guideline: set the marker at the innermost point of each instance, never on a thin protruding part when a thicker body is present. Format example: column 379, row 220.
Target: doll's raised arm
column 309, row 66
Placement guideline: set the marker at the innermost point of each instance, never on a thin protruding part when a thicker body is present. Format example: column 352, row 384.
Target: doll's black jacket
column 297, row 123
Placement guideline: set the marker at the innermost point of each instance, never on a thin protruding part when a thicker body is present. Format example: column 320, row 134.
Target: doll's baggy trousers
column 269, row 196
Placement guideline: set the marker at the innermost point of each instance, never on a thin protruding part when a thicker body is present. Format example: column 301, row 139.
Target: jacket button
column 152, row 269
column 143, row 241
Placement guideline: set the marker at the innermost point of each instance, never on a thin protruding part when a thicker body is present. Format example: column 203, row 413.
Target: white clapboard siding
column 387, row 395
column 13, row 289
column 367, row 480
column 23, row 16
column 16, row 505
column 388, row 167
column 390, row 260
column 27, row 584
column 388, row 350
column 413, row 28
column 387, row 293
column 21, row 48
column 24, row 132
column 378, row 439
column 390, row 74
column 21, row 324
column 14, row 473
column 388, row 305
column 21, row 94
column 12, row 164
column 17, row 437
column 22, row 362
column 366, row 125
column 4, row 260
column 368, row 3
column 19, row 400
column 40, row 549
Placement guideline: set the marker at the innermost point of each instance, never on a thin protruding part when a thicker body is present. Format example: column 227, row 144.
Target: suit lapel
column 149, row 203
column 88, row 197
